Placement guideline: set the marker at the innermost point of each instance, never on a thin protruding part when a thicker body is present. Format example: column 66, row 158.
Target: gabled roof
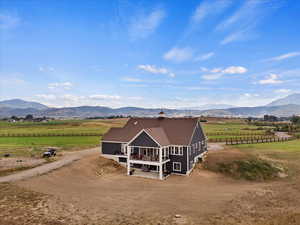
column 167, row 131
column 159, row 135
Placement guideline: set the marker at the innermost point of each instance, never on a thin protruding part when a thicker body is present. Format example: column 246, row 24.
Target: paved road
column 65, row 160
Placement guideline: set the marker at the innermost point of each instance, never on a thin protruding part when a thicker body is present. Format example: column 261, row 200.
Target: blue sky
column 169, row 53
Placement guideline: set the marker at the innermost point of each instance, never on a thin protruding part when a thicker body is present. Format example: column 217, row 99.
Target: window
column 180, row 150
column 172, row 150
column 123, row 148
column 176, row 150
column 177, row 166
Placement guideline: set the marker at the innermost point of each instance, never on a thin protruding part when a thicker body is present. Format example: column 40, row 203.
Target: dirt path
column 65, row 160
column 215, row 146
column 282, row 134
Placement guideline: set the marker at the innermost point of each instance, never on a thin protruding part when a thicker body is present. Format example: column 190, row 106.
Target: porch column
column 160, row 164
column 128, row 159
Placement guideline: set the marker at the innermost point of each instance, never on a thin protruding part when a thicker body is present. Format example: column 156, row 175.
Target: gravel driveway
column 65, row 160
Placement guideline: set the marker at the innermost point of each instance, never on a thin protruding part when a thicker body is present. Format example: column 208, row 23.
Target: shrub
column 251, row 169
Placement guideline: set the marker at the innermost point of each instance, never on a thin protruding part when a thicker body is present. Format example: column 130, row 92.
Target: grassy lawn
column 286, row 152
column 289, row 147
column 28, row 146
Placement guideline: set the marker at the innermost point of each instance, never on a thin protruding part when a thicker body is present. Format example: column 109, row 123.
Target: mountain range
column 287, row 106
column 291, row 99
column 21, row 104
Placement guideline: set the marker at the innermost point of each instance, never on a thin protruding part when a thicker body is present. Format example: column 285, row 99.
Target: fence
column 236, row 141
column 224, row 139
column 235, row 133
column 50, row 135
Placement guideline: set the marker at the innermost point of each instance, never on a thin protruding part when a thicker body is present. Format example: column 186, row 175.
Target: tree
column 270, row 118
column 29, row 117
column 14, row 118
column 295, row 120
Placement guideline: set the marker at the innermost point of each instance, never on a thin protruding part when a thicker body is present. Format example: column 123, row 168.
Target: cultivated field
column 31, row 138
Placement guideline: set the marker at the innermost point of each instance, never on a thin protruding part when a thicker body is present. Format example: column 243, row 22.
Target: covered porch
column 147, row 161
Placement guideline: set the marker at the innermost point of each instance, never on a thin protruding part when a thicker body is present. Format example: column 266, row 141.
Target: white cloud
column 242, row 24
column 156, row 70
column 144, row 25
column 64, row 85
column 235, row 36
column 178, row 54
column 209, row 7
column 283, row 91
column 70, row 100
column 203, row 69
column 248, row 95
column 212, row 76
column 8, row 21
column 131, row 79
column 235, row 70
column 271, row 79
column 205, row 56
column 105, row 97
column 217, row 73
column 46, row 96
column 46, row 69
column 284, row 56
column 216, row 70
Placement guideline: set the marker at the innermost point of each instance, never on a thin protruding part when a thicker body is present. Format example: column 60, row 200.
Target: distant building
column 156, row 147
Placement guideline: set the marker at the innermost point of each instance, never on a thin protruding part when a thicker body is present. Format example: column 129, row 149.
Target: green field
column 286, row 153
column 288, row 149
column 60, row 127
column 238, row 126
column 29, row 146
column 227, row 129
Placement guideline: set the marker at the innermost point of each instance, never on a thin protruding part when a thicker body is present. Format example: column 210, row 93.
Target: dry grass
column 241, row 165
column 108, row 166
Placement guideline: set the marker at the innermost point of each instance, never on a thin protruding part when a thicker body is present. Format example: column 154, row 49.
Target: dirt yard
column 96, row 191
column 12, row 163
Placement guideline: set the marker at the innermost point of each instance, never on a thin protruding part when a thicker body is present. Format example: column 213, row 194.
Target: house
column 156, row 147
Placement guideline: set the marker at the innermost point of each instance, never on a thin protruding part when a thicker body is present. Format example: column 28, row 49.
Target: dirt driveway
column 78, row 184
column 67, row 158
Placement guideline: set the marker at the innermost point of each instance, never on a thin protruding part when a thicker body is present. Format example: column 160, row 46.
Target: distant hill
column 21, row 104
column 210, row 106
column 291, row 99
column 39, row 110
column 260, row 111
